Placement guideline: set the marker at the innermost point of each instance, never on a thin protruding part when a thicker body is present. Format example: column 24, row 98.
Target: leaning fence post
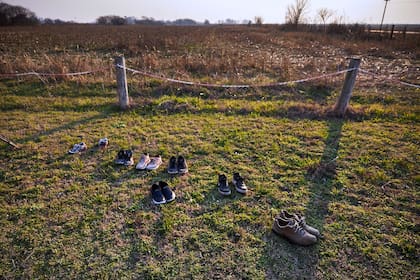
column 392, row 32
column 343, row 101
column 122, row 88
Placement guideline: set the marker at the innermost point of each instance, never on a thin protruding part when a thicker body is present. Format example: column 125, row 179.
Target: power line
column 383, row 15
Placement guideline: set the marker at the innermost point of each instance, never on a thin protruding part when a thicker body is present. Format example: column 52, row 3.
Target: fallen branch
column 4, row 139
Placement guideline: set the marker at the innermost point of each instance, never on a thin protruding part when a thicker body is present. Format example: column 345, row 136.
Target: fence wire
column 208, row 85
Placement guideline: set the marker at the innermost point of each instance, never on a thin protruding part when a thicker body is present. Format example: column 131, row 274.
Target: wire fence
column 33, row 73
column 213, row 85
column 210, row 85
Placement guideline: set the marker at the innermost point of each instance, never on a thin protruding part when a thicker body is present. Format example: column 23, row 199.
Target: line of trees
column 16, row 15
column 117, row 20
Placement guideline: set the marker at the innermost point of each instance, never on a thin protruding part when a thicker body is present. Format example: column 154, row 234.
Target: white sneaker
column 78, row 148
column 154, row 163
column 103, row 143
column 143, row 162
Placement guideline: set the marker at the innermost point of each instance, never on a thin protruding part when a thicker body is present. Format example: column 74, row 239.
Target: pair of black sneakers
column 125, row 157
column 162, row 193
column 177, row 165
column 237, row 181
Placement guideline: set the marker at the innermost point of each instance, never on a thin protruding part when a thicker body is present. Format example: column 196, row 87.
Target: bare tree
column 324, row 14
column 258, row 20
column 295, row 13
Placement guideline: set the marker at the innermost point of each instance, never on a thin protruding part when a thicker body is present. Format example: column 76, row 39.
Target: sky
column 272, row 11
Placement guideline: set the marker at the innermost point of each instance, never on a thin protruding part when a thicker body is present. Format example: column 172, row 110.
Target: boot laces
column 298, row 228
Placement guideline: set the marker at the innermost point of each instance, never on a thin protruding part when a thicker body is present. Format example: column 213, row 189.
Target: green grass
column 80, row 216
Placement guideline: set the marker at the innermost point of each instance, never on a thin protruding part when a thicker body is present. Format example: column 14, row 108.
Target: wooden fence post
column 122, row 88
column 392, row 32
column 343, row 101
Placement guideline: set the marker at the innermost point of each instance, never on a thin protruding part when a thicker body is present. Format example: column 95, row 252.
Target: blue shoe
column 172, row 167
column 223, row 185
column 167, row 192
column 157, row 195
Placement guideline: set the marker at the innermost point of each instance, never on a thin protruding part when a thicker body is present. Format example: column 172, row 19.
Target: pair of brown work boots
column 294, row 228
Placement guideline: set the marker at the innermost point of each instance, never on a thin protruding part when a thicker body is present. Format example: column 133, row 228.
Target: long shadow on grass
column 64, row 126
column 288, row 261
column 312, row 92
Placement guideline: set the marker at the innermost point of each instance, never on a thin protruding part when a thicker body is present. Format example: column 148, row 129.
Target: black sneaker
column 239, row 184
column 223, row 186
column 172, row 167
column 167, row 192
column 128, row 159
column 182, row 165
column 120, row 157
column 157, row 196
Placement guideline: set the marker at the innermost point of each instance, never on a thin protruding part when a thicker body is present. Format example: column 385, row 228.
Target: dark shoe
column 301, row 221
column 239, row 184
column 292, row 231
column 172, row 167
column 128, row 158
column 167, row 192
column 157, row 195
column 223, row 186
column 182, row 165
column 120, row 157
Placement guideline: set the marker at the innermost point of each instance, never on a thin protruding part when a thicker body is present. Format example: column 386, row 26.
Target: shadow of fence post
column 321, row 177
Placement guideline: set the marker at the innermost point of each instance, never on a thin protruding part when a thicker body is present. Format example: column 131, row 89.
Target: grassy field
column 80, row 216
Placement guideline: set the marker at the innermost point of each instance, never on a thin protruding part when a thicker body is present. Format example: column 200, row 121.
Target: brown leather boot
column 291, row 230
column 301, row 221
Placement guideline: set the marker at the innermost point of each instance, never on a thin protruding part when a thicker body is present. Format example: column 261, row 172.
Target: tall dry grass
column 216, row 53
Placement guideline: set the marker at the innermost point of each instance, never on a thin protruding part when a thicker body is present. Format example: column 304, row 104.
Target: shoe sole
column 158, row 203
column 182, row 171
column 167, row 201
column 142, row 167
column 241, row 190
column 292, row 241
column 225, row 193
column 138, row 168
column 77, row 152
column 152, row 168
column 172, row 172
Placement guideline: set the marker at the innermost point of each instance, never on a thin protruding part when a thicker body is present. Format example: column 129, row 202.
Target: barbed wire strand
column 213, row 85
column 151, row 75
column 33, row 73
column 388, row 79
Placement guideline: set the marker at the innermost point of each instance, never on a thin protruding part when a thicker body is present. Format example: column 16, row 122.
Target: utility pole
column 383, row 15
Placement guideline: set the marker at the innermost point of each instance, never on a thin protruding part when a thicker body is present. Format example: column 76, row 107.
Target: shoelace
column 297, row 228
column 240, row 181
column 181, row 162
column 302, row 221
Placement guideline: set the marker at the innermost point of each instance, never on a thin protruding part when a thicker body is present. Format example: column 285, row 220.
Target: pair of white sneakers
column 149, row 163
column 82, row 147
column 78, row 148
